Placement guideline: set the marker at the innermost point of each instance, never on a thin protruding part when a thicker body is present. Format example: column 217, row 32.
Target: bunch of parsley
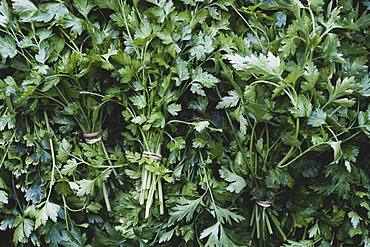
column 211, row 123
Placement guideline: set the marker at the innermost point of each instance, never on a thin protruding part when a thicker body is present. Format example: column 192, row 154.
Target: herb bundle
column 189, row 122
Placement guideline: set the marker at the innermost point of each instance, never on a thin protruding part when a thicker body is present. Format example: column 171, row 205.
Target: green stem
column 314, row 146
column 65, row 211
column 277, row 225
column 110, row 163
column 149, row 178
column 7, row 149
column 160, row 195
column 234, row 131
column 290, row 152
column 106, row 199
column 257, row 222
column 301, row 154
column 149, row 201
column 288, row 93
column 189, row 123
column 263, row 223
column 269, row 228
column 144, row 175
column 251, row 150
column 52, row 179
column 249, row 26
column 127, row 29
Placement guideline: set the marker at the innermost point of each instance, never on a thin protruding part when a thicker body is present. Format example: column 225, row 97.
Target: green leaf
column 365, row 86
column 212, row 230
column 94, row 207
column 203, row 45
column 311, row 74
column 69, row 21
column 165, row 237
column 342, row 88
column 86, row 187
column 70, row 167
column 224, row 215
column 48, row 211
column 34, row 193
column 355, row 231
column 237, row 183
column 50, row 11
column 139, row 120
column 24, row 8
column 355, row 218
column 23, row 230
column 139, row 101
column 177, row 143
column 314, row 231
column 173, row 109
column 197, row 88
column 201, row 126
column 229, row 101
column 336, row 146
column 185, row 209
column 290, row 139
column 303, row 107
column 73, row 185
column 84, row 6
column 317, row 118
column 4, row 13
column 50, row 83
column 7, row 47
column 280, row 19
column 7, row 120
column 163, row 10
column 3, row 197
column 204, row 78
column 143, row 34
column 42, row 56
column 182, row 70
column 64, row 150
column 73, row 238
column 264, row 65
column 301, row 243
column 126, row 74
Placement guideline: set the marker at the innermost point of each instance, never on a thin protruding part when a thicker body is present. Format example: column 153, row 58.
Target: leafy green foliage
column 189, row 123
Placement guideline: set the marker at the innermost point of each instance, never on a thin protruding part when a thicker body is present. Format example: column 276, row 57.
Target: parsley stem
column 149, row 201
column 52, row 179
column 313, row 20
column 126, row 25
column 110, row 163
column 277, row 225
column 290, row 152
column 106, row 199
column 144, row 175
column 249, row 26
column 7, row 149
column 206, row 178
column 251, row 151
column 288, row 93
column 312, row 147
column 301, row 154
column 160, row 195
column 65, row 211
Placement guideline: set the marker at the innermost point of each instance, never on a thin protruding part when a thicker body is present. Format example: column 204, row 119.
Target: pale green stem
column 106, row 199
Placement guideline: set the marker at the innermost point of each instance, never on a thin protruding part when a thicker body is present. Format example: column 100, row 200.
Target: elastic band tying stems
column 152, row 155
column 264, row 204
column 91, row 138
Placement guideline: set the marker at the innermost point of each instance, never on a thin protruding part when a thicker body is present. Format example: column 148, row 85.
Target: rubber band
column 91, row 138
column 152, row 155
column 264, row 204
